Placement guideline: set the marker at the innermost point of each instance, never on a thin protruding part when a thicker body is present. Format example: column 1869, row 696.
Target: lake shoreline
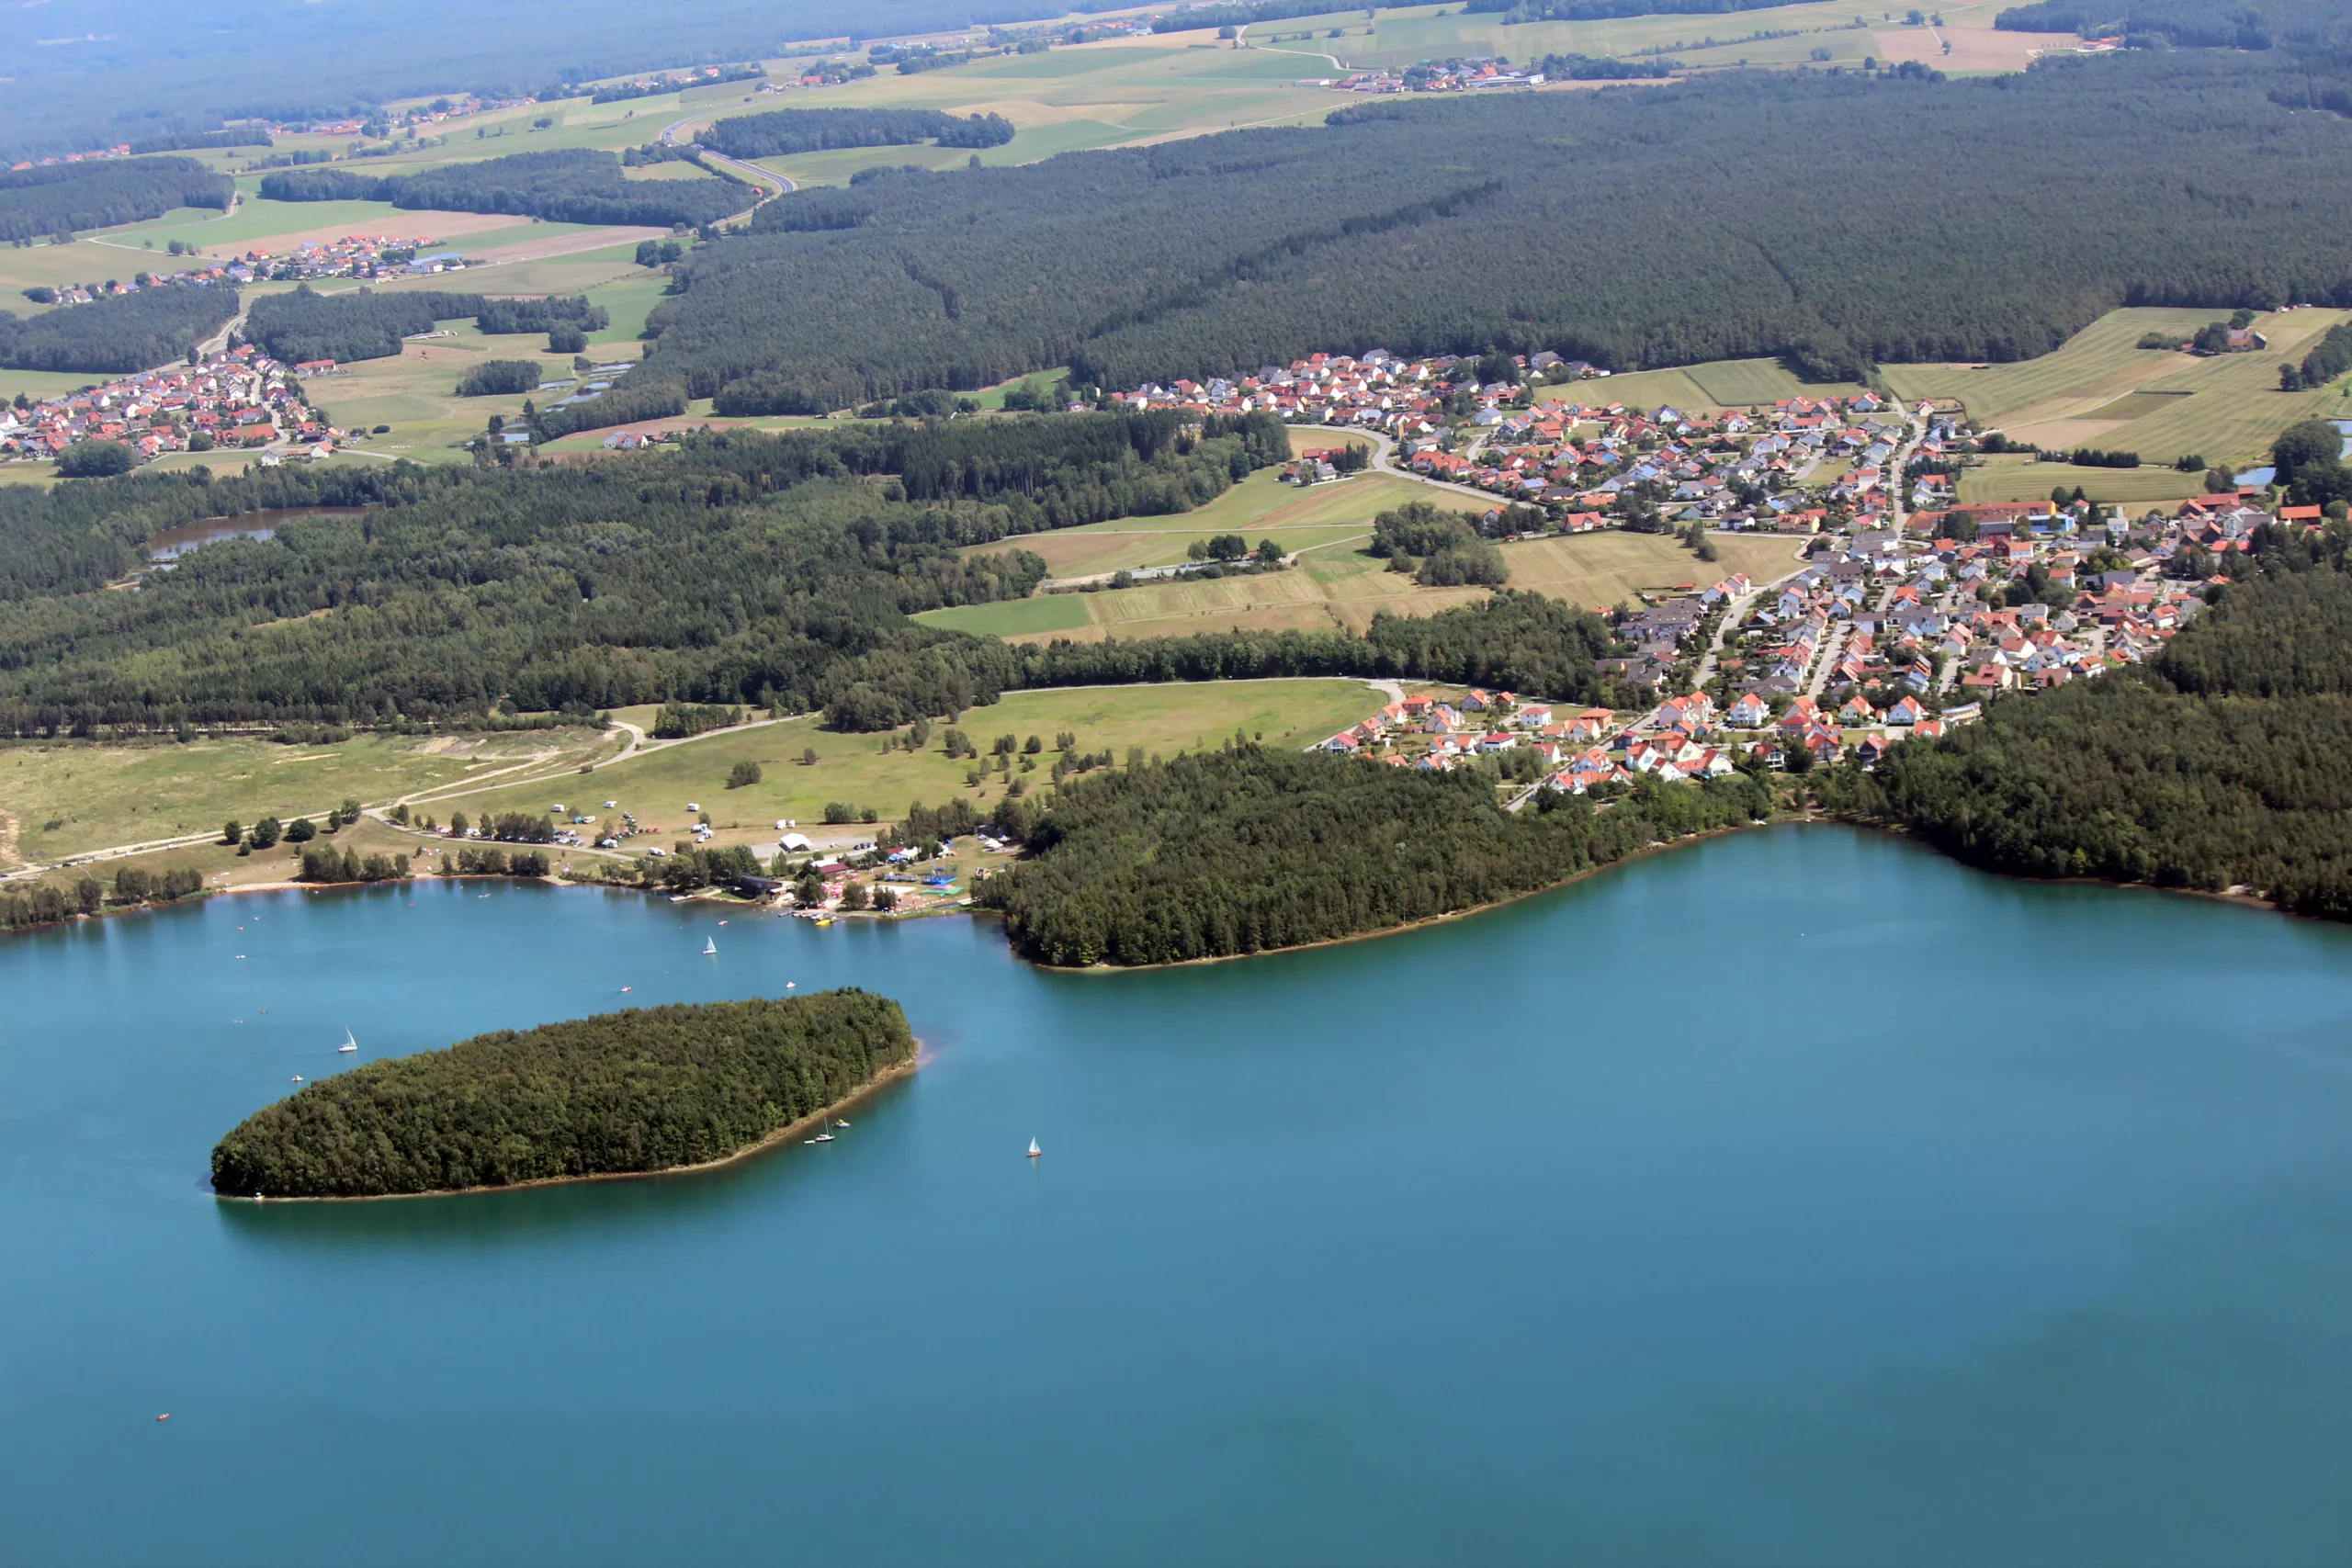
column 2247, row 901
column 1591, row 871
column 880, row 1080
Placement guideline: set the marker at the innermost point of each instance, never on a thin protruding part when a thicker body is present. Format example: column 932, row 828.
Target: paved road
column 1384, row 452
column 751, row 172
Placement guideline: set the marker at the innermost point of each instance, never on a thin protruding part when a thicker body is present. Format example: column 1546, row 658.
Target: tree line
column 570, row 185
column 2185, row 24
column 1246, row 850
column 369, row 324
column 117, row 334
column 784, row 132
column 60, row 198
column 641, row 1091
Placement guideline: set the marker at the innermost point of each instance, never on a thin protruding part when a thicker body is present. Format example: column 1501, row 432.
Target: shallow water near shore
column 1797, row 1197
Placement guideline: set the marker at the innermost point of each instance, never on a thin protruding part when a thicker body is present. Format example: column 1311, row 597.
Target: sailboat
column 820, row 1138
column 349, row 1043
column 1034, row 1150
column 710, row 945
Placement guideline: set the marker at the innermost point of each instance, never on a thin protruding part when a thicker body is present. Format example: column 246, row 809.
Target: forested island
column 1245, row 850
column 624, row 1093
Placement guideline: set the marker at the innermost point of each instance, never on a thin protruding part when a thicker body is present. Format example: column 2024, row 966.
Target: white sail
column 1034, row 1150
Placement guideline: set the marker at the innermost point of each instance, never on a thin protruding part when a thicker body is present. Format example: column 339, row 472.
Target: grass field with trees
column 882, row 772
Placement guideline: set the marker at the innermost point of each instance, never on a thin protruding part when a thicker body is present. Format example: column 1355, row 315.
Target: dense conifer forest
column 641, row 1091
column 118, row 332
column 809, row 130
column 1246, row 850
column 573, row 185
column 1224, row 253
column 365, row 323
column 2187, row 24
column 60, row 198
column 2227, row 763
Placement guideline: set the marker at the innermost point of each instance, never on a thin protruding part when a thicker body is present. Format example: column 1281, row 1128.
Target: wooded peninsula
column 620, row 1093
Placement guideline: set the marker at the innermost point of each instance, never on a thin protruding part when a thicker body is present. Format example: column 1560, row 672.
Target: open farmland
column 414, row 391
column 1715, row 384
column 1259, row 507
column 1700, row 41
column 2022, row 478
column 2101, row 390
column 1340, row 586
column 65, row 797
column 859, row 770
column 1112, row 93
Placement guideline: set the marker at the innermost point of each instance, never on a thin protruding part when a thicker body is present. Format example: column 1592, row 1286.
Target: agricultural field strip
column 854, row 767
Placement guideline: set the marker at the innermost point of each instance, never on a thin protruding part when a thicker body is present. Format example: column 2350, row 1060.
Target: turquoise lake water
column 1797, row 1197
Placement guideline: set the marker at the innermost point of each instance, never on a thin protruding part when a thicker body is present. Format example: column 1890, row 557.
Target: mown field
column 1713, row 385
column 1099, row 95
column 67, row 797
column 2022, row 478
column 2101, row 390
column 1259, row 507
column 1434, row 33
column 1338, row 585
column 861, row 770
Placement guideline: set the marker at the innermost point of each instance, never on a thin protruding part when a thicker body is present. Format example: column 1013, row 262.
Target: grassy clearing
column 1737, row 383
column 38, row 385
column 1716, row 384
column 414, row 392
column 68, row 798
column 2102, row 389
column 1017, row 617
column 2022, row 478
column 224, row 869
column 1339, row 586
column 1259, row 507
column 47, row 266
column 857, row 770
column 1597, row 570
column 1703, row 42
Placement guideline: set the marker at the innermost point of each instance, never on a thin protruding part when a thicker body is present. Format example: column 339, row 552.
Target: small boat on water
column 709, row 944
column 820, row 1138
column 349, row 1043
column 297, row 1078
column 792, row 985
column 821, row 919
column 1034, row 1150
column 841, row 1122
